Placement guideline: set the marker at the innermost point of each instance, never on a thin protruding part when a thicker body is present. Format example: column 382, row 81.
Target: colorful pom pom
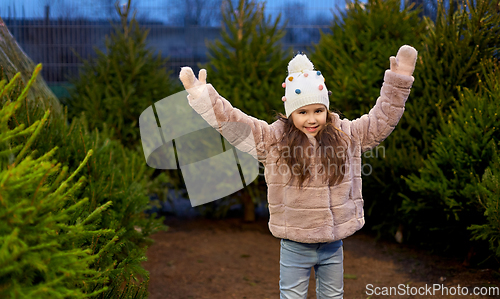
column 306, row 74
column 318, row 73
column 297, row 91
column 290, row 78
column 283, row 85
column 320, row 87
column 329, row 92
column 283, row 99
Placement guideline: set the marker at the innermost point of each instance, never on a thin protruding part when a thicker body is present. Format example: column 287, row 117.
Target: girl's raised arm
column 245, row 132
column 372, row 128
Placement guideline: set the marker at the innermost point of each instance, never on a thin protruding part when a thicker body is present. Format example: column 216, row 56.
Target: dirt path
column 230, row 259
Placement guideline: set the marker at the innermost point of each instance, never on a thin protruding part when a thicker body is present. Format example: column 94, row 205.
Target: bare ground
column 201, row 258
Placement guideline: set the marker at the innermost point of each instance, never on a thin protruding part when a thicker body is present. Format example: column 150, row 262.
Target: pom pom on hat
column 304, row 85
column 299, row 64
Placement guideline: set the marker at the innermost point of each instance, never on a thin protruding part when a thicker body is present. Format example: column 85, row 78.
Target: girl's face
column 310, row 119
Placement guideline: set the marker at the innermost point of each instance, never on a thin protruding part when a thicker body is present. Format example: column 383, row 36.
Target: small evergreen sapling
column 41, row 224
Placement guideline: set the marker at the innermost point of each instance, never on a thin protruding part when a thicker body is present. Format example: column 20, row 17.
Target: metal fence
column 58, row 32
column 57, row 36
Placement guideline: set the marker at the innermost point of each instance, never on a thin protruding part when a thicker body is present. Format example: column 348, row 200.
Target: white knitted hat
column 304, row 85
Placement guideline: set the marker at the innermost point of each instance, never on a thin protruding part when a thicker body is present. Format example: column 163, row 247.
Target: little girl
column 312, row 161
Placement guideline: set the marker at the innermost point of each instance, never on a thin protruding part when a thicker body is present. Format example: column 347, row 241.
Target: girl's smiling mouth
column 312, row 129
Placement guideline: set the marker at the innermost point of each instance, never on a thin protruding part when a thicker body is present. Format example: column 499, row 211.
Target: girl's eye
column 302, row 112
column 319, row 111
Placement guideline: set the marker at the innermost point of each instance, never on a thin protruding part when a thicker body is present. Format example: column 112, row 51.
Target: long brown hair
column 332, row 147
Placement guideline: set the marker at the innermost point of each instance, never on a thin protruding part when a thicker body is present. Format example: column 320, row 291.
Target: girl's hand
column 404, row 62
column 192, row 85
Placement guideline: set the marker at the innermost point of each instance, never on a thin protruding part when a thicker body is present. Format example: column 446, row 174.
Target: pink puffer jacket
column 317, row 212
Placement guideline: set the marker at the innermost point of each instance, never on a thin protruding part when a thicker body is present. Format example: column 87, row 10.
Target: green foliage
column 114, row 88
column 450, row 179
column 119, row 84
column 356, row 53
column 248, row 65
column 449, row 58
column 455, row 49
column 113, row 205
column 40, row 219
column 489, row 198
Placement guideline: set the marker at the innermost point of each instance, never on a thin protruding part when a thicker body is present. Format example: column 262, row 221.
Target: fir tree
column 449, row 58
column 104, row 210
column 249, row 64
column 114, row 174
column 41, row 224
column 465, row 147
column 247, row 67
column 356, row 53
column 116, row 86
column 457, row 45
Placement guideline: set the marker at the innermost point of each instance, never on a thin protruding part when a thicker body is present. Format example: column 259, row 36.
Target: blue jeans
column 296, row 260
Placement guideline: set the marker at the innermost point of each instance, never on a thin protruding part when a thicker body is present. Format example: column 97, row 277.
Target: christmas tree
column 356, row 53
column 457, row 45
column 458, row 177
column 115, row 193
column 99, row 223
column 247, row 67
column 42, row 226
column 248, row 64
column 119, row 84
column 450, row 58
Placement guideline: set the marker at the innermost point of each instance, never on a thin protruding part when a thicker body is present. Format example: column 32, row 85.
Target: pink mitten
column 192, row 85
column 404, row 62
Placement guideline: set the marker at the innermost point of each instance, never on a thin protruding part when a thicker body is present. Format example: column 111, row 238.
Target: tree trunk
column 248, row 206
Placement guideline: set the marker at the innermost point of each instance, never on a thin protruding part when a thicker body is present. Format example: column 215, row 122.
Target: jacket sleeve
column 245, row 132
column 371, row 129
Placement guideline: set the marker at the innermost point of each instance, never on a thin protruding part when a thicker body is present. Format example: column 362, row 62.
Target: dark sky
column 301, row 11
